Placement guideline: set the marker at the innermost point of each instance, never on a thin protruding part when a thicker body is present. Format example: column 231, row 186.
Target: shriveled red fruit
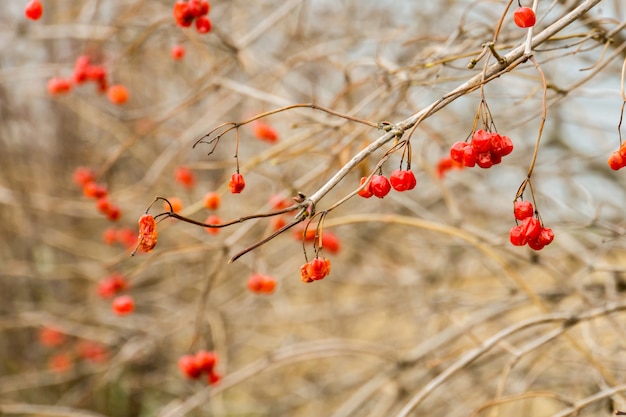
column 212, row 200
column 59, row 86
column 616, row 161
column 402, row 180
column 264, row 131
column 117, row 94
column 148, row 236
column 51, row 337
column 319, row 268
column 33, row 10
column 535, row 244
column 379, row 185
column 177, row 52
column 123, row 305
column 531, row 227
column 205, row 360
column 189, row 367
column 203, row 24
column 185, row 176
column 457, row 151
column 212, row 219
column 481, row 141
column 523, row 209
column 524, row 17
column 517, row 236
column 365, row 192
column 83, row 175
column 237, row 183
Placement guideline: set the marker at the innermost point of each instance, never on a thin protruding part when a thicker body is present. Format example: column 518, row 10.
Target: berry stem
column 544, row 112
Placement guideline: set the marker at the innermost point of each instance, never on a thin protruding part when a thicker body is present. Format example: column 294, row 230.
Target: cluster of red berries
column 84, row 71
column 617, row 160
column 261, row 284
column 530, row 231
column 379, row 186
column 524, row 17
column 193, row 366
column 186, row 11
column 33, row 10
column 88, row 350
column 318, row 268
column 85, row 178
column 110, row 286
column 486, row 149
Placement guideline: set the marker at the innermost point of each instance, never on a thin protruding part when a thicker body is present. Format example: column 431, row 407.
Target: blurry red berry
column 523, row 209
column 96, row 73
column 83, row 175
column 205, row 360
column 33, row 10
column 212, row 219
column 176, row 204
column 111, row 285
column 177, row 52
column 60, row 362
column 446, row 164
column 94, row 190
column 103, row 205
column 51, row 337
column 127, row 237
column 524, row 17
column 261, row 284
column 330, row 242
column 123, row 305
column 379, row 185
column 189, row 367
column 212, row 200
column 265, row 132
column 117, row 94
column 185, row 176
column 237, row 183
column 109, row 236
column 59, row 86
column 616, row 161
column 213, row 378
column 278, row 223
column 182, row 14
column 277, row 202
column 92, row 351
column 203, row 24
column 113, row 213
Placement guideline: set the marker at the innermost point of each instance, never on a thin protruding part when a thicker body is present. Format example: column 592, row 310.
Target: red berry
column 524, row 17
column 177, row 52
column 117, row 94
column 484, row 160
column 212, row 219
column 212, row 200
column 176, row 204
column 277, row 202
column 51, row 337
column 379, row 185
column 501, row 145
column 83, row 175
column 531, row 227
column 103, row 205
column 237, row 183
column 457, row 151
column 80, row 69
column 535, row 244
column 128, row 237
column 546, row 236
column 92, row 351
column 517, row 236
column 523, row 209
column 182, row 14
column 205, row 361
column 365, row 192
column 95, row 73
column 330, row 242
column 123, row 305
column 113, row 213
column 60, row 362
column 148, row 236
column 189, row 366
column 402, row 180
column 261, row 284
column 616, row 161
column 33, row 10
column 469, row 156
column 213, row 378
column 203, row 24
column 315, row 270
column 278, row 223
column 94, row 190
column 495, row 158
column 481, row 141
column 109, row 236
column 265, row 132
column 112, row 285
column 59, row 86
column 446, row 164
column 185, row 176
